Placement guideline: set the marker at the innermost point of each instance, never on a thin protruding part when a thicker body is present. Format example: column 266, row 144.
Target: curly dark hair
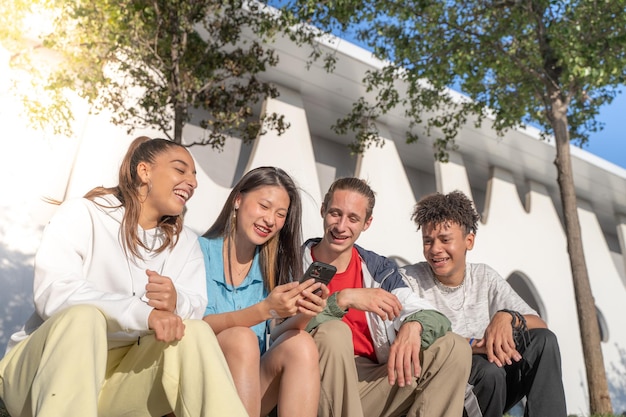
column 454, row 207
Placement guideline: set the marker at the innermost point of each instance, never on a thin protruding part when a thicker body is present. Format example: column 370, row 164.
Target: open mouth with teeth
column 184, row 195
column 263, row 231
column 335, row 237
column 438, row 261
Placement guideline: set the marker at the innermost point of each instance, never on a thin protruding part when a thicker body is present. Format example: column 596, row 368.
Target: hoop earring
column 143, row 198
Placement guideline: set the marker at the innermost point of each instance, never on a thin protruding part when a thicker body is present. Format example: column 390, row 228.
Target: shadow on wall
column 20, row 235
column 16, row 301
column 617, row 383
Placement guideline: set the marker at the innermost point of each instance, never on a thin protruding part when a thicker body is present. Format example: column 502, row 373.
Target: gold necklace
column 244, row 268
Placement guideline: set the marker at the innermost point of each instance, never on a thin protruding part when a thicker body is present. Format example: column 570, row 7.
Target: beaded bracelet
column 520, row 329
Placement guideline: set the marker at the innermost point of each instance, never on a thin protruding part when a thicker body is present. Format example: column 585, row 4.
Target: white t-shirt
column 471, row 305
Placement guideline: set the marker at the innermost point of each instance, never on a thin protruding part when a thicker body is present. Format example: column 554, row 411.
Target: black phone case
column 320, row 271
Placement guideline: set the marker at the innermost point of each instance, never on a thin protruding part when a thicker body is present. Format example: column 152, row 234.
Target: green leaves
column 512, row 58
column 159, row 63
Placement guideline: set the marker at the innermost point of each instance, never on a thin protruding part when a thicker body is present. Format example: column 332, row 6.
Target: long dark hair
column 281, row 256
column 142, row 149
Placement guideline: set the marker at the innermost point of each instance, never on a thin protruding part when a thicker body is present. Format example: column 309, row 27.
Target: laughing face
column 445, row 246
column 261, row 214
column 344, row 220
column 169, row 182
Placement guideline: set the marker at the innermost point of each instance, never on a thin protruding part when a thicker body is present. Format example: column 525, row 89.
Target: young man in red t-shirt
column 383, row 351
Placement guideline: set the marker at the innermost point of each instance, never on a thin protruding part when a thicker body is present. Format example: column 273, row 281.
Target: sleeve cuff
column 333, row 307
column 434, row 325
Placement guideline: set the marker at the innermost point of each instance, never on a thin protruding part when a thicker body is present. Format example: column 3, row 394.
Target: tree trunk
column 177, row 91
column 179, row 122
column 599, row 399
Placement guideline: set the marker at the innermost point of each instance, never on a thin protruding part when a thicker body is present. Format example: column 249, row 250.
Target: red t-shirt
column 352, row 278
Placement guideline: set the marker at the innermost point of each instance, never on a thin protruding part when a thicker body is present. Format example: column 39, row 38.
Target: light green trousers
column 65, row 369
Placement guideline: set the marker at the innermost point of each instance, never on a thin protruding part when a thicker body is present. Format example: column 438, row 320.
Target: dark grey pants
column 537, row 377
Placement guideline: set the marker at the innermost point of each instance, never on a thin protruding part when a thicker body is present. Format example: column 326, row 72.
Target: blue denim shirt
column 224, row 297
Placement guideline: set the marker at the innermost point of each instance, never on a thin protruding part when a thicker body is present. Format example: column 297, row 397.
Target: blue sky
column 610, row 143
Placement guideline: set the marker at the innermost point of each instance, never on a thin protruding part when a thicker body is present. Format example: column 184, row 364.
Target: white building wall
column 293, row 152
column 621, row 233
column 513, row 238
column 392, row 231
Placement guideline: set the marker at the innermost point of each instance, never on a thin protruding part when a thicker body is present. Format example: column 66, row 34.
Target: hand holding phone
column 319, row 271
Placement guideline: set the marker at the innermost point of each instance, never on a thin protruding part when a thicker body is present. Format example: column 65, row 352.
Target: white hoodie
column 81, row 260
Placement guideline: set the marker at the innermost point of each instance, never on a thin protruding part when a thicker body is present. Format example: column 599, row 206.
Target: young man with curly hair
column 514, row 353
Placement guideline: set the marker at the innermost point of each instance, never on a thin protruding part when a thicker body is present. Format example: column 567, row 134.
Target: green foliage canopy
column 511, row 57
column 159, row 63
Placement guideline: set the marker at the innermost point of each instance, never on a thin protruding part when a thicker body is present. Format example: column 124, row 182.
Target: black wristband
column 514, row 316
column 520, row 329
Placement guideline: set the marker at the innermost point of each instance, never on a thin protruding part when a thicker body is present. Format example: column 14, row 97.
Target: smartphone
column 320, row 271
